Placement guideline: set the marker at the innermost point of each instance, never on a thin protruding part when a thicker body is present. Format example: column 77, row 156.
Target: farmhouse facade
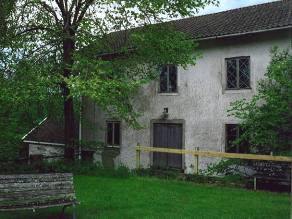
column 187, row 108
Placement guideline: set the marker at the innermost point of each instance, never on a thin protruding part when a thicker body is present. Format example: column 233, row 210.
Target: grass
column 144, row 197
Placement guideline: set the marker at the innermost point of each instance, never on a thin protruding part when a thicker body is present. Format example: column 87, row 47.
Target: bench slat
column 35, row 185
column 52, row 203
column 41, row 198
column 29, row 189
column 34, row 180
column 37, row 176
column 28, row 194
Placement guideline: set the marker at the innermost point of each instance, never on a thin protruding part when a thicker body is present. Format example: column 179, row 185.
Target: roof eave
column 243, row 33
column 44, row 143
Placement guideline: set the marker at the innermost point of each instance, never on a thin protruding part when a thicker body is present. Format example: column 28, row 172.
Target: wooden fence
column 196, row 153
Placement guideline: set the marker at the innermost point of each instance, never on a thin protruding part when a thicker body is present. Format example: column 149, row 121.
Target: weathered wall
column 201, row 101
column 46, row 150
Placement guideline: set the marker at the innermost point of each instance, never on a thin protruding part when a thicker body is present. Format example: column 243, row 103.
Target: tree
column 89, row 48
column 267, row 117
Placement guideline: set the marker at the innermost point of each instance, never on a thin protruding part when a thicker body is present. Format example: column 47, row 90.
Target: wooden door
column 167, row 135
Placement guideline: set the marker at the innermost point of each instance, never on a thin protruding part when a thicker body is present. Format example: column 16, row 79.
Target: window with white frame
column 238, row 73
column 168, row 79
column 113, row 136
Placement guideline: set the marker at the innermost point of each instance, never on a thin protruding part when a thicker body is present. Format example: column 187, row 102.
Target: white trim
column 45, row 143
column 244, row 33
column 34, row 128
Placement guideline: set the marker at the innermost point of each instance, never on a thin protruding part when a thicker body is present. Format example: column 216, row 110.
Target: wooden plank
column 33, row 198
column 21, row 194
column 41, row 175
column 37, row 176
column 20, row 208
column 216, row 154
column 34, row 179
column 36, row 205
column 137, row 160
column 29, row 189
column 43, row 185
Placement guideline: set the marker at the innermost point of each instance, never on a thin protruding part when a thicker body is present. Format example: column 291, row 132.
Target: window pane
column 163, row 79
column 109, row 133
column 172, row 78
column 231, row 134
column 244, row 73
column 117, row 133
column 231, row 73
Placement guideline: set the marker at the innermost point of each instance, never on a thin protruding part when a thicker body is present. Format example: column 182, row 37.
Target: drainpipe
column 80, row 129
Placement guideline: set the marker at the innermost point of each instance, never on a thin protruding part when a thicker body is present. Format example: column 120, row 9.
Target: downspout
column 80, row 129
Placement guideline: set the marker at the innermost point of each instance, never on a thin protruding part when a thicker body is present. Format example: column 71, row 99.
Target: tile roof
column 242, row 20
column 251, row 19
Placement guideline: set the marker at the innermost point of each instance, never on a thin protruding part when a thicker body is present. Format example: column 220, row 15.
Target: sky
column 231, row 4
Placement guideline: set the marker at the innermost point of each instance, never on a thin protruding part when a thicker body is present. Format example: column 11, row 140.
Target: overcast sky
column 231, row 4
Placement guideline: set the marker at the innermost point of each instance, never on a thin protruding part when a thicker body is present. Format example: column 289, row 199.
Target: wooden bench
column 34, row 191
column 273, row 173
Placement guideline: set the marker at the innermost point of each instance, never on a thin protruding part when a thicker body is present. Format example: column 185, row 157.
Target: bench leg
column 63, row 210
column 74, row 211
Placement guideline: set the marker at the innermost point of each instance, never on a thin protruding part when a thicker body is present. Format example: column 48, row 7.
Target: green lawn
column 155, row 198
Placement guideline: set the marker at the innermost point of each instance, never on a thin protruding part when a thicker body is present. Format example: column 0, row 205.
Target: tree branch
column 34, row 28
column 51, row 11
column 74, row 2
column 83, row 11
column 77, row 10
column 61, row 7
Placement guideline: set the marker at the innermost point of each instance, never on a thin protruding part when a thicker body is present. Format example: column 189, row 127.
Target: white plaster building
column 236, row 48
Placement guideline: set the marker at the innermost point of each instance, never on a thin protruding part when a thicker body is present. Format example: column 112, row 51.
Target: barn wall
column 46, row 150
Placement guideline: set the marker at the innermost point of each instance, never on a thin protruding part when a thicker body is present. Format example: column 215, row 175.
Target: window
column 238, row 73
column 168, row 79
column 233, row 131
column 113, row 133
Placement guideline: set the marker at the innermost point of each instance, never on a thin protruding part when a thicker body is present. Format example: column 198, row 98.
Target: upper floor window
column 168, row 79
column 238, row 73
column 233, row 131
column 113, row 133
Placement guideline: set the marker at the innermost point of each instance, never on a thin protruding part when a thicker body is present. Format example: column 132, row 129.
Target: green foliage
column 267, row 117
column 40, row 28
column 223, row 167
column 53, row 45
column 6, row 7
column 77, row 168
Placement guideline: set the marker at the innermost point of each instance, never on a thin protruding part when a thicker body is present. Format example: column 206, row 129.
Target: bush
column 77, row 168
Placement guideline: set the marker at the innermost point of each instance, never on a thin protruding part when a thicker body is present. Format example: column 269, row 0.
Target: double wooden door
column 167, row 135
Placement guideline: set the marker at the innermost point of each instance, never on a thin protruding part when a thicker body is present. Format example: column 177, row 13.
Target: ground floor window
column 234, row 131
column 113, row 137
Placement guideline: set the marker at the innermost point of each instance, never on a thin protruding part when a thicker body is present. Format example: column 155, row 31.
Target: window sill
column 112, row 147
column 236, row 91
column 168, row 94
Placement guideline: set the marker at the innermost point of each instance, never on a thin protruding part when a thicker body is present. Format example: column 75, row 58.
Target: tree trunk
column 69, row 124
